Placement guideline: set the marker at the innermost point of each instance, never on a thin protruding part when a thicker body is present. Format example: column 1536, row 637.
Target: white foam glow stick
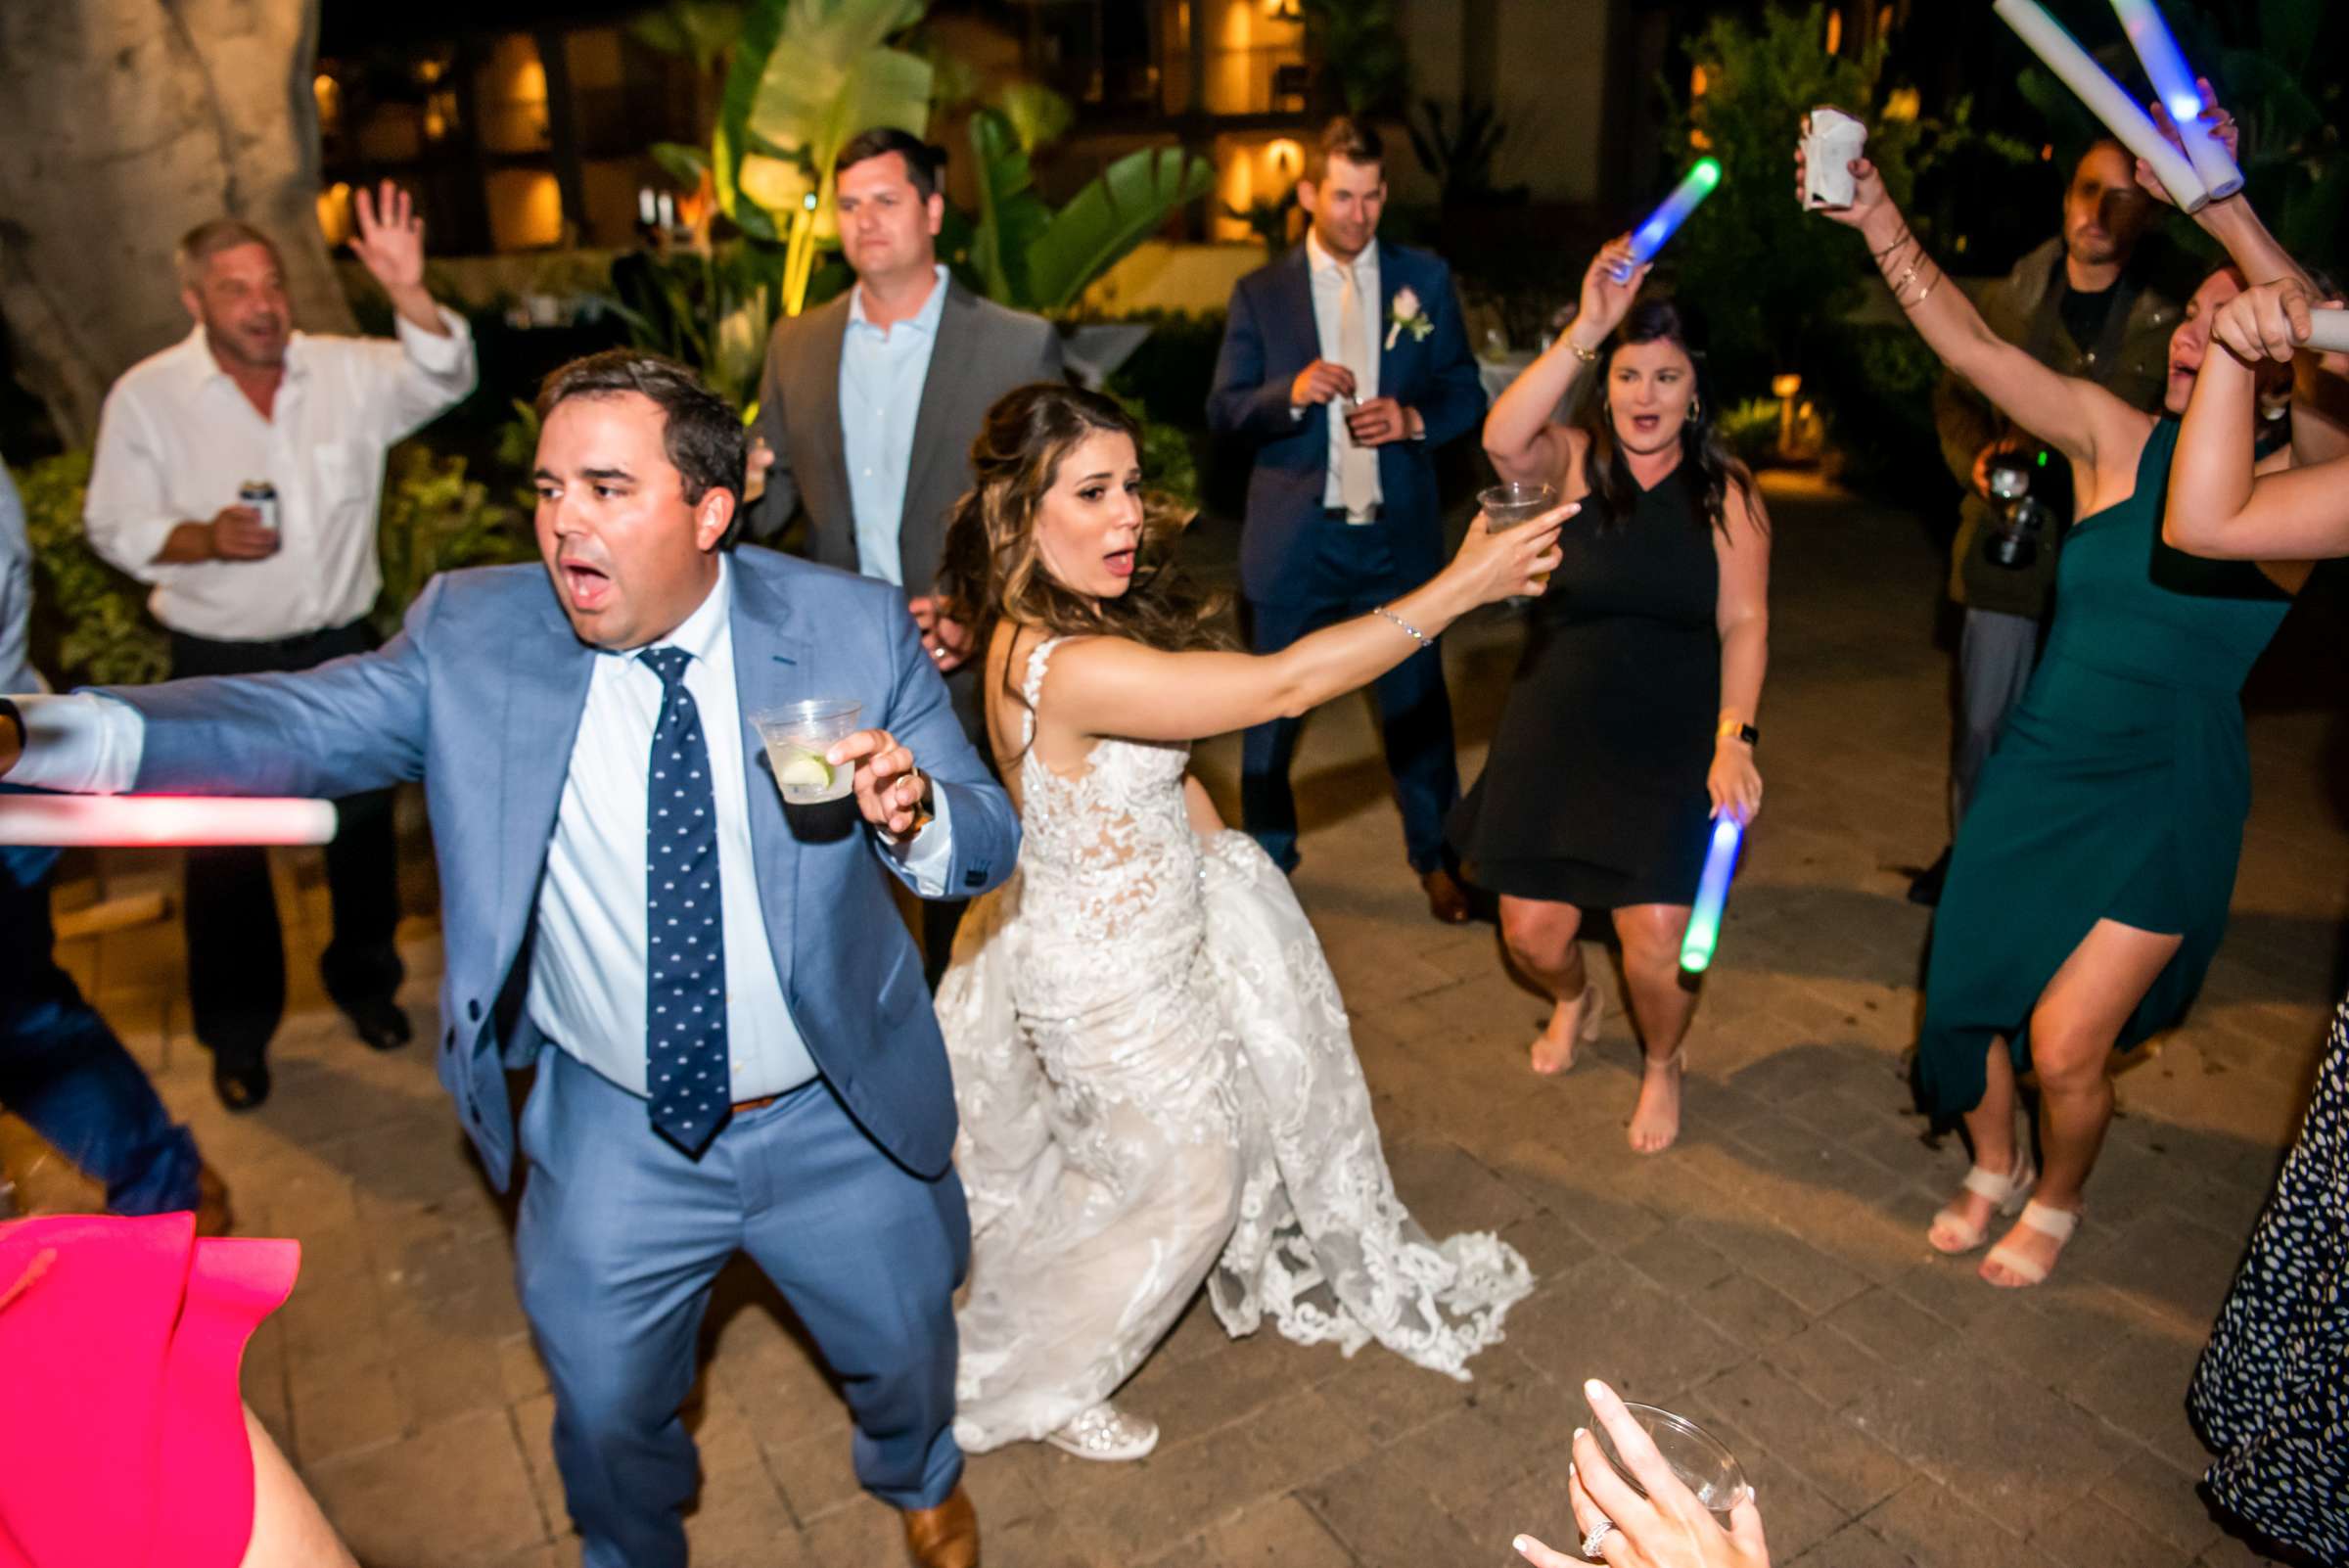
column 2174, row 84
column 94, row 820
column 2104, row 98
column 2328, row 331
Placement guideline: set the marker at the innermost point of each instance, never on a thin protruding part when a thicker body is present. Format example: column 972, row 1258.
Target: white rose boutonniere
column 1407, row 317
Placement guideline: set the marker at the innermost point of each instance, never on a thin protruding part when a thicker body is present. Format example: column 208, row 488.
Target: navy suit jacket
column 1268, row 337
column 481, row 697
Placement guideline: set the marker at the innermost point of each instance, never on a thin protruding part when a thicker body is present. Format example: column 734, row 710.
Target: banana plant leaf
column 806, row 76
column 1012, row 217
column 1108, row 218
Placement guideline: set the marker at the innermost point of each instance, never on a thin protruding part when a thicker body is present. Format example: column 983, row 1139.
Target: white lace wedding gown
column 1156, row 1085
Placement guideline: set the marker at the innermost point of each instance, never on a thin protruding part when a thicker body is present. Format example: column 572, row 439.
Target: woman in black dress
column 1630, row 724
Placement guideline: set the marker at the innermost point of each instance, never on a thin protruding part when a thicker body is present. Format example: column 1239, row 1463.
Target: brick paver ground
column 1768, row 1276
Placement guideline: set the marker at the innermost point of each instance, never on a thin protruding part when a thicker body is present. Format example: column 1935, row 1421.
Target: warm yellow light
column 1699, row 140
column 1285, row 157
column 1835, row 32
column 1697, row 82
column 1785, row 385
column 2046, row 152
column 525, row 209
column 334, row 213
column 1903, row 103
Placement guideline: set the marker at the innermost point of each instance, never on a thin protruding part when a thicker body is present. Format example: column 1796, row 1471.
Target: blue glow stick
column 1650, row 237
column 2174, row 84
column 1712, row 893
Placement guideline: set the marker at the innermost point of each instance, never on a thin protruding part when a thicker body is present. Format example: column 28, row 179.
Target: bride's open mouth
column 1120, row 563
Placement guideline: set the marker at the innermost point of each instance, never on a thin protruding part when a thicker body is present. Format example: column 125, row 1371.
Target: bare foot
column 1656, row 1119
column 1570, row 1024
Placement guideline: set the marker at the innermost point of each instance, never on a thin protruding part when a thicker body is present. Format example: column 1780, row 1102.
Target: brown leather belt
column 745, row 1107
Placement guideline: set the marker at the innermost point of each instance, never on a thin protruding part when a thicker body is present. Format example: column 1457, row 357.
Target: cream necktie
column 1358, row 466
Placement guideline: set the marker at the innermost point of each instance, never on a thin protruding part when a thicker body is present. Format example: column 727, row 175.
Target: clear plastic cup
column 1701, row 1461
column 1513, row 502
column 796, row 737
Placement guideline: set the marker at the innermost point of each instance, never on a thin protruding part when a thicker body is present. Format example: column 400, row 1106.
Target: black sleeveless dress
column 1594, row 793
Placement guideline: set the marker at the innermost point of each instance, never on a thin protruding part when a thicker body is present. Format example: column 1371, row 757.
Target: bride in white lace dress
column 1151, row 1060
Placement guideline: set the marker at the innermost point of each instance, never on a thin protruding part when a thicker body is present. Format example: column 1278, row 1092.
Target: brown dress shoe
column 946, row 1535
column 1447, row 899
column 212, row 1213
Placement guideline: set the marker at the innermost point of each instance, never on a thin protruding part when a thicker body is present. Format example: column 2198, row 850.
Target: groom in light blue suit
column 734, row 1045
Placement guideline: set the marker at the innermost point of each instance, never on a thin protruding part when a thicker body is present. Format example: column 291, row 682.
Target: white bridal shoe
column 1106, row 1432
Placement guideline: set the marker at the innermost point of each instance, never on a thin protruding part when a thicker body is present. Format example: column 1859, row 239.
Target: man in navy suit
column 734, row 1046
column 1345, row 365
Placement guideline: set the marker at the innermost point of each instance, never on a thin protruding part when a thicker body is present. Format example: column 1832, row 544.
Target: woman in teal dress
column 2088, row 884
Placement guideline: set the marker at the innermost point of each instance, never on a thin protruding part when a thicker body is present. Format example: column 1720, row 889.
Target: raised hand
column 1668, row 1528
column 947, row 639
column 1869, row 196
column 1610, row 283
column 2271, row 321
column 2212, row 114
column 389, row 243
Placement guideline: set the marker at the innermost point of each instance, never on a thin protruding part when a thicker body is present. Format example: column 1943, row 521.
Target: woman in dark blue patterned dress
column 2271, row 1396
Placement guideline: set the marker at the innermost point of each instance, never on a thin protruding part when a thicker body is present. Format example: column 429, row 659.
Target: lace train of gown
column 1157, row 1088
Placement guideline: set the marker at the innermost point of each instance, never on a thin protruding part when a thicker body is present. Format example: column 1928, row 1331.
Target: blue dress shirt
column 881, row 374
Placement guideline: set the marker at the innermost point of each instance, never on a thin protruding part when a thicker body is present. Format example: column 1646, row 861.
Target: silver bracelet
column 1419, row 636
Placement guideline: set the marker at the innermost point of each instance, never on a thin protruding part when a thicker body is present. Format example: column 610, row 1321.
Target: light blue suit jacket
column 481, row 697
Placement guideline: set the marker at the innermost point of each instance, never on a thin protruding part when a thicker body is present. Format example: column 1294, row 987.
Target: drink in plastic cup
column 1834, row 141
column 1516, row 501
column 796, row 735
column 1703, row 1464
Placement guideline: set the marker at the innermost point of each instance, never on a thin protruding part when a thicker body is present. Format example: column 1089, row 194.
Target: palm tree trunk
column 133, row 121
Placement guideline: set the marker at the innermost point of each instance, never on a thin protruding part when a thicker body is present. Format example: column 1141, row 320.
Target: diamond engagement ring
column 1598, row 1539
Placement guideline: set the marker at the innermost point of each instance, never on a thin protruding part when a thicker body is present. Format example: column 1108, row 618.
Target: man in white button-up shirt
column 244, row 398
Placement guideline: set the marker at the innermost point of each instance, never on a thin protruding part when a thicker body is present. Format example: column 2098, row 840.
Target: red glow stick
column 88, row 821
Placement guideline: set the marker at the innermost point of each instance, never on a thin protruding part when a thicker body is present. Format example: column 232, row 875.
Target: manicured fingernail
column 1577, row 1433
column 1519, row 1542
column 1593, row 1387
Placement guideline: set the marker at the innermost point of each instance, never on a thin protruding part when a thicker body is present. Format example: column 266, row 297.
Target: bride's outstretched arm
column 1110, row 686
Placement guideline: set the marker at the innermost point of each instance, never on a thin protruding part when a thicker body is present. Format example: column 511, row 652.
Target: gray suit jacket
column 983, row 351
column 481, row 698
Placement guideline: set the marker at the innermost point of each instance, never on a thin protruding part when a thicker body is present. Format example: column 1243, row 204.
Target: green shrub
column 97, row 613
column 436, row 519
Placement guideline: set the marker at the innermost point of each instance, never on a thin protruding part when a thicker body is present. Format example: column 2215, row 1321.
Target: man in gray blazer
column 734, row 1048
column 868, row 406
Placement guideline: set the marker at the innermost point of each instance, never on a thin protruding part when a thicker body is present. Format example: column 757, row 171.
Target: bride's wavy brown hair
column 991, row 571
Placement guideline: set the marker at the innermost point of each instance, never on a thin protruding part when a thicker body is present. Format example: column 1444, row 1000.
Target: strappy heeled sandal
column 2004, row 1192
column 2056, row 1222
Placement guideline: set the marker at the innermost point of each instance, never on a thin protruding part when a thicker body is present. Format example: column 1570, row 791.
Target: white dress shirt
column 588, row 967
column 177, row 439
column 1330, row 287
column 882, row 370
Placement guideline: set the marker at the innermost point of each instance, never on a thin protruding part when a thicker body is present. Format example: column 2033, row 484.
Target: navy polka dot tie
column 685, row 1073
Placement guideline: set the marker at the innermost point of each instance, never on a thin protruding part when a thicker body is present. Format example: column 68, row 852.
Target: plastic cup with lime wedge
column 798, row 736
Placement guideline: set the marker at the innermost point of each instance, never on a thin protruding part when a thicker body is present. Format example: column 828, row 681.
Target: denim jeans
column 63, row 1072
